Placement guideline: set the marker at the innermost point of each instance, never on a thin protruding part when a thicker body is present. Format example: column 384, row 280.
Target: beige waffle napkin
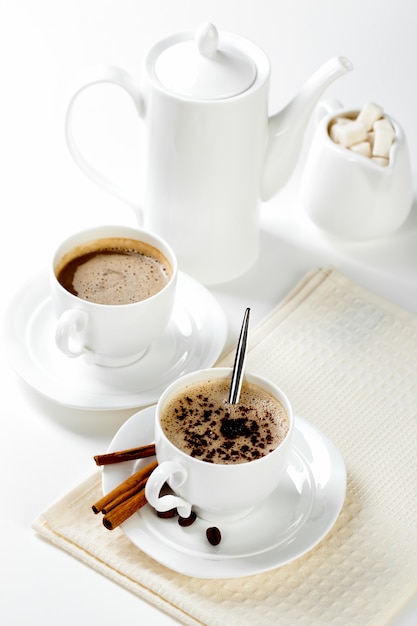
column 348, row 361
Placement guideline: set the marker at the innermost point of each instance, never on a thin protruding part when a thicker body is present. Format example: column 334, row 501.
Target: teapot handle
column 94, row 76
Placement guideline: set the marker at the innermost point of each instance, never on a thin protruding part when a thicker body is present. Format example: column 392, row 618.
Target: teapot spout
column 286, row 129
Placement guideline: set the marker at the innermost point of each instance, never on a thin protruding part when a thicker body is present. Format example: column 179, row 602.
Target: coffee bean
column 213, row 535
column 187, row 521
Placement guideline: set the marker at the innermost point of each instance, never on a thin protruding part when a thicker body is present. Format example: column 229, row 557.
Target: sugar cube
column 370, row 134
column 335, row 127
column 352, row 133
column 364, row 148
column 380, row 160
column 369, row 114
column 384, row 124
column 382, row 143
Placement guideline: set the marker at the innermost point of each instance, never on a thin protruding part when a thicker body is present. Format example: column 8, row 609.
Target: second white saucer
column 287, row 525
column 193, row 339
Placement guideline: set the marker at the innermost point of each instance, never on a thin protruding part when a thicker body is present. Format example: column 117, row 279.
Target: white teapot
column 212, row 153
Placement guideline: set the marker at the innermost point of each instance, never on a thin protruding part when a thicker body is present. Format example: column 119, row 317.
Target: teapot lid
column 201, row 68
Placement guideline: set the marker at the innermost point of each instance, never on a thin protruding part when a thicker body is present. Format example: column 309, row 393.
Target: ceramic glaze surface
column 211, row 154
column 107, row 334
column 347, row 194
column 215, row 491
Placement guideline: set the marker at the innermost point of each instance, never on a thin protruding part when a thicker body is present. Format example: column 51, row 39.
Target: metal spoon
column 237, row 374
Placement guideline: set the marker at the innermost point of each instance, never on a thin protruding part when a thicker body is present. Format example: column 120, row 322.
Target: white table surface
column 45, row 448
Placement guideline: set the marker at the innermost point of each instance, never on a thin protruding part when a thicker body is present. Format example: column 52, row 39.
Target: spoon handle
column 238, row 367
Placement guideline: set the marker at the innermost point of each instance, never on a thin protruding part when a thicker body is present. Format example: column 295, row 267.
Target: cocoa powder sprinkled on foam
column 204, row 425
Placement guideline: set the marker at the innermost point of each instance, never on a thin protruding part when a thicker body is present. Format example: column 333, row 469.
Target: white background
column 44, row 45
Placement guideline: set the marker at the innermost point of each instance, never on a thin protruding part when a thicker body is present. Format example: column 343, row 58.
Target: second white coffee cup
column 112, row 334
column 216, row 492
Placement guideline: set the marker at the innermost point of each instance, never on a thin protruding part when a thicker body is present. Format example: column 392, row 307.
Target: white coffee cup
column 215, row 492
column 111, row 335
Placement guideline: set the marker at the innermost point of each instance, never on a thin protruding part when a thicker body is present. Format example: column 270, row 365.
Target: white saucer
column 289, row 523
column 193, row 339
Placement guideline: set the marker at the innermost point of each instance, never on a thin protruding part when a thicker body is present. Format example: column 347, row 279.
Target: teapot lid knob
column 207, row 39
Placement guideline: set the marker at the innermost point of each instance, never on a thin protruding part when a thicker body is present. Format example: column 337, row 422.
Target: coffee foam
column 201, row 422
column 114, row 271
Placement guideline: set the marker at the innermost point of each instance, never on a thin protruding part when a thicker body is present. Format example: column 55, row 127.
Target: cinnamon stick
column 125, row 455
column 127, row 485
column 124, row 496
column 120, row 513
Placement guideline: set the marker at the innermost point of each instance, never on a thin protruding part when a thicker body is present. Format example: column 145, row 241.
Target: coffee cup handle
column 70, row 332
column 94, row 76
column 175, row 475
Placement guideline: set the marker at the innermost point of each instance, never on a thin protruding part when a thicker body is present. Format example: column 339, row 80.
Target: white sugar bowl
column 348, row 194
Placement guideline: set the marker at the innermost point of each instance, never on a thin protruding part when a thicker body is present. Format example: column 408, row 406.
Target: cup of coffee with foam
column 113, row 291
column 220, row 460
